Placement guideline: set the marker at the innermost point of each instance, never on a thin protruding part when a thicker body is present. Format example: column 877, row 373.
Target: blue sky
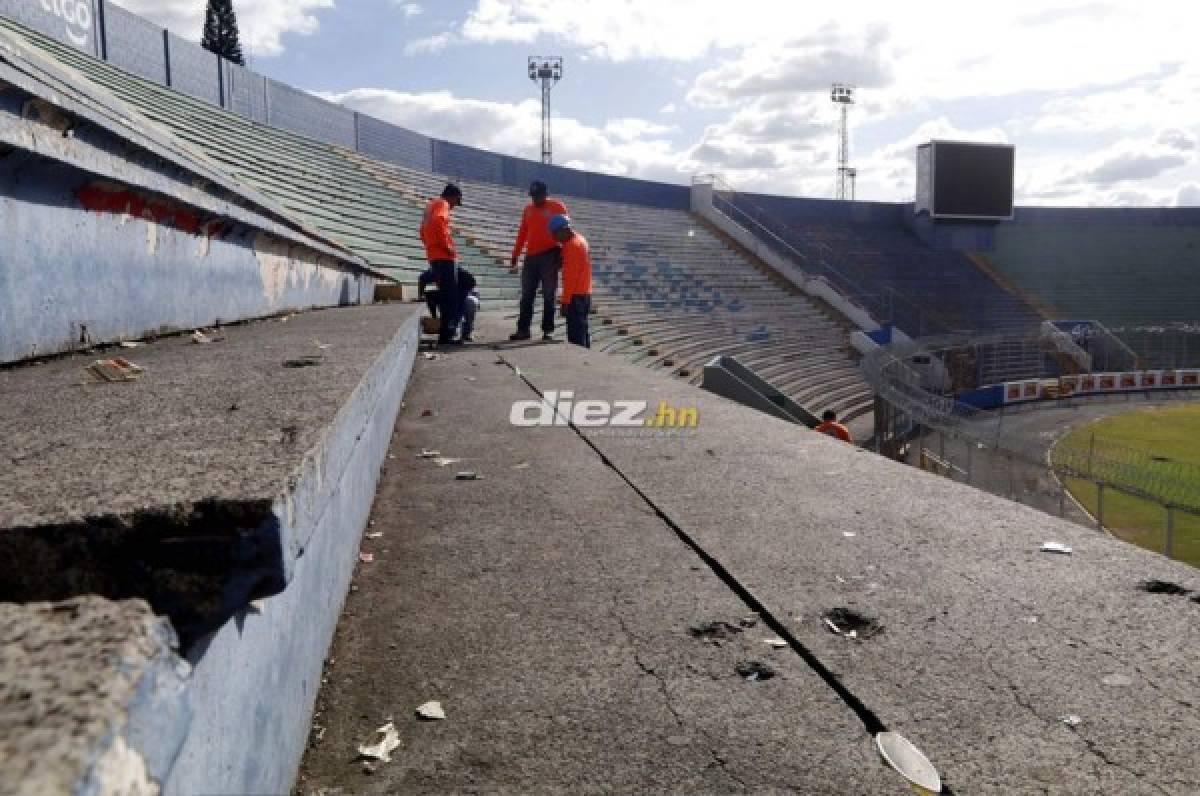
column 1098, row 97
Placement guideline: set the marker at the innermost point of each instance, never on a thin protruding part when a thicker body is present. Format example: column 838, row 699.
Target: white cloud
column 262, row 23
column 1188, row 195
column 515, row 128
column 409, row 10
column 429, row 44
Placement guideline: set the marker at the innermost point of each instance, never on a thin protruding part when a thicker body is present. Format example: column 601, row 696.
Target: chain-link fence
column 1020, row 452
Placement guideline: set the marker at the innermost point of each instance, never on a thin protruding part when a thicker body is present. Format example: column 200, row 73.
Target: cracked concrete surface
column 987, row 642
column 549, row 609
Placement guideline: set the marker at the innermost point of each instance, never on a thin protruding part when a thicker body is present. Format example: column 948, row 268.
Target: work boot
column 519, row 334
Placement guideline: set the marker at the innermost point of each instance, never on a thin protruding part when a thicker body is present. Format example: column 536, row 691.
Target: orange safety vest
column 535, row 227
column 435, row 231
column 576, row 269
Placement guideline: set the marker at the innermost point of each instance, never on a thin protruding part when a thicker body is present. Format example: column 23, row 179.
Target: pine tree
column 221, row 31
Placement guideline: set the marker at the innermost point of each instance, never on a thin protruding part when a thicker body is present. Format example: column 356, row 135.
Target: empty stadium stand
column 671, row 294
column 313, row 180
column 874, row 258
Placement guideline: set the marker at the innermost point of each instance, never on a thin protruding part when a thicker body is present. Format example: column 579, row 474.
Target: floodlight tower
column 843, row 96
column 546, row 70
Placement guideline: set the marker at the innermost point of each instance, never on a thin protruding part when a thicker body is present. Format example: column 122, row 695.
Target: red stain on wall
column 100, row 198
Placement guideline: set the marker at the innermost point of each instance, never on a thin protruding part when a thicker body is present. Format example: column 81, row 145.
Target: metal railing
column 1001, row 452
column 882, row 302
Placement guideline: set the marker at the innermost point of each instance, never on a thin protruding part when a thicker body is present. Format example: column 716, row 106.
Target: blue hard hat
column 560, row 221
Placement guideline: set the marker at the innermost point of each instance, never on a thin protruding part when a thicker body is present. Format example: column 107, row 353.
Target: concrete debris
column 1057, row 547
column 115, row 369
column 468, row 476
column 431, row 711
column 907, row 760
column 754, row 671
column 1071, row 720
column 851, row 624
column 366, row 558
column 383, row 748
column 718, row 631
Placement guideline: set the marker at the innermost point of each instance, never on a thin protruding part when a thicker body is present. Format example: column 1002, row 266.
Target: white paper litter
column 382, row 750
column 375, row 535
column 445, row 461
column 1118, row 680
column 131, row 344
column 776, row 643
column 431, row 711
column 428, row 454
column 1057, row 547
column 849, row 534
column 1071, row 720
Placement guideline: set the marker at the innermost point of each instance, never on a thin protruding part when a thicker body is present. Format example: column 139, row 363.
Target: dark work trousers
column 577, row 321
column 449, row 299
column 539, row 270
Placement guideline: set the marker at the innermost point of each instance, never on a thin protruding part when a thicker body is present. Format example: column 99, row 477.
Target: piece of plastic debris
column 851, row 624
column 382, row 750
column 1118, row 680
column 1033, row 620
column 200, row 338
column 468, row 476
column 1057, row 547
column 444, row 461
column 376, row 535
column 839, row 578
column 776, row 643
column 907, row 760
column 115, row 369
column 522, row 466
column 431, row 711
column 429, row 355
column 131, row 344
column 1071, row 720
column 428, row 454
column 849, row 534
column 366, row 558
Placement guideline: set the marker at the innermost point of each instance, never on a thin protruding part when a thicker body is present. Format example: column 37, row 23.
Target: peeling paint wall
column 88, row 260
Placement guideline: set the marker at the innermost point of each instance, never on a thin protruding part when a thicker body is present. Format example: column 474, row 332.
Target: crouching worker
column 469, row 302
column 576, row 294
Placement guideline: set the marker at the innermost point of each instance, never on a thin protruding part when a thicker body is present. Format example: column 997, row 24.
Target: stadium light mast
column 843, row 96
column 546, row 70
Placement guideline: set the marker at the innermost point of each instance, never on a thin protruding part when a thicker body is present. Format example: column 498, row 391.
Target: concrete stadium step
column 227, row 488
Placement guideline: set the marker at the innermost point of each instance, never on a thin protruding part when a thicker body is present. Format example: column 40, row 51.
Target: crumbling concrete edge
column 255, row 681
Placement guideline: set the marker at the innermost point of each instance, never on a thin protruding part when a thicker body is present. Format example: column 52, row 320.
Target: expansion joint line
column 870, row 721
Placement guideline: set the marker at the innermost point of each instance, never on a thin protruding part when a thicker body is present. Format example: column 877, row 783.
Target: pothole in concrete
column 851, row 624
column 1163, row 587
column 714, row 631
column 754, row 671
column 302, row 362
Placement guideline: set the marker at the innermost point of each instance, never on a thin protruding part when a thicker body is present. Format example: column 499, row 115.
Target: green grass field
column 1158, row 451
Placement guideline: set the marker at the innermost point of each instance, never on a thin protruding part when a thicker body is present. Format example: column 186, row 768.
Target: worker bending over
column 576, row 280
column 443, row 258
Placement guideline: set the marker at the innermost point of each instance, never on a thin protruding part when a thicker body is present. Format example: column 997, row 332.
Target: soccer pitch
column 1156, row 451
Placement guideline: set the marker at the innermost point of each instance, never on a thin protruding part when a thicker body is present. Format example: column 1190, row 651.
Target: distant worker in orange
column 541, row 260
column 443, row 259
column 576, row 280
column 830, row 425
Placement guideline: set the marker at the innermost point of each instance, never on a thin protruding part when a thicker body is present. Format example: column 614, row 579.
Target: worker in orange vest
column 830, row 426
column 443, row 258
column 541, row 260
column 576, row 280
